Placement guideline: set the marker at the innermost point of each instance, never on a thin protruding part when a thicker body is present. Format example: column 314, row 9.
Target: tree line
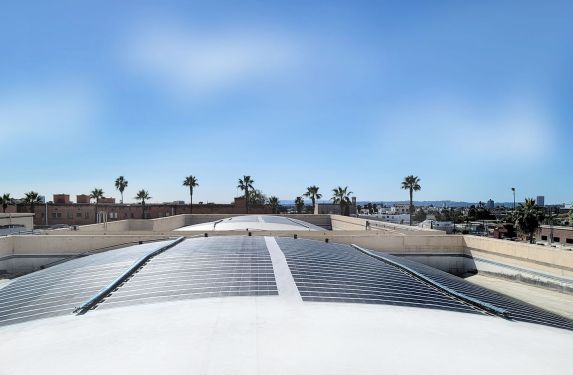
column 527, row 217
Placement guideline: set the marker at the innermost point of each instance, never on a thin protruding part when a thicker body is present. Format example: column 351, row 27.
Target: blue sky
column 473, row 97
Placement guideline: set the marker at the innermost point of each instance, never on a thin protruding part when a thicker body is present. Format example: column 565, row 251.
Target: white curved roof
column 266, row 305
column 254, row 223
column 264, row 335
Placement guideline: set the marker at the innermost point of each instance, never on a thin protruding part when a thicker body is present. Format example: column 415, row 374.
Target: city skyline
column 472, row 98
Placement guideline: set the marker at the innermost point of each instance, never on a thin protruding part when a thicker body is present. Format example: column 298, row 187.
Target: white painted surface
column 268, row 335
column 283, row 277
column 258, row 224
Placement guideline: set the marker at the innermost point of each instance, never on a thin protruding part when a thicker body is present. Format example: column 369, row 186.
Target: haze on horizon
column 472, row 98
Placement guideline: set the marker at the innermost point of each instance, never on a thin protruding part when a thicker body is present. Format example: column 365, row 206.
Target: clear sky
column 473, row 97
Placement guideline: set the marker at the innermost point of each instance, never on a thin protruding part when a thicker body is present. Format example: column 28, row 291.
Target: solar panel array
column 518, row 310
column 200, row 268
column 242, row 266
column 246, row 219
column 59, row 289
column 339, row 273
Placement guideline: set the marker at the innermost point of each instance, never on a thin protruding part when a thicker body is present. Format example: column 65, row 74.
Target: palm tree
column 299, row 204
column 313, row 194
column 121, row 184
column 32, row 198
column 245, row 184
column 341, row 196
column 411, row 183
column 274, row 204
column 527, row 217
column 142, row 196
column 96, row 194
column 190, row 181
column 5, row 199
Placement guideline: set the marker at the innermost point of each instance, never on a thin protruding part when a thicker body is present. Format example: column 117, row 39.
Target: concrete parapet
column 354, row 223
column 540, row 265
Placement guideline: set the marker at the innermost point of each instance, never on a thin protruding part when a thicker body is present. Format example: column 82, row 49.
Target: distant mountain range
column 446, row 203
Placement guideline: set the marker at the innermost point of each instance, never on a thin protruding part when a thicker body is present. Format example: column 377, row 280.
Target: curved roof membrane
column 246, row 266
column 254, row 223
column 266, row 304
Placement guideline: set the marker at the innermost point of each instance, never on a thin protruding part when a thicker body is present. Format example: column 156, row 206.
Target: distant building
column 490, row 205
column 400, row 209
column 540, row 201
column 83, row 199
column 395, row 218
column 84, row 213
column 556, row 235
column 447, row 226
column 61, row 198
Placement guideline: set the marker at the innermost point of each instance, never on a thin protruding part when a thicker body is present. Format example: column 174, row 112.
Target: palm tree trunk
column 531, row 237
column 247, row 200
column 410, row 208
column 190, row 199
column 313, row 203
column 96, row 213
column 121, row 192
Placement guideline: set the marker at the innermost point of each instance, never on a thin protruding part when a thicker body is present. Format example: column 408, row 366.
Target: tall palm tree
column 527, row 217
column 274, row 204
column 341, row 196
column 313, row 194
column 32, row 198
column 121, row 184
column 96, row 194
column 245, row 184
column 142, row 195
column 411, row 183
column 5, row 199
column 190, row 181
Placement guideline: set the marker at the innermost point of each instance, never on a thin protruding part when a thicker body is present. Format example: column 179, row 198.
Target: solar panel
column 246, row 219
column 339, row 273
column 517, row 310
column 201, row 268
column 59, row 289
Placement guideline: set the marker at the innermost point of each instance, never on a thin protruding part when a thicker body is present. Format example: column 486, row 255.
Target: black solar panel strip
column 496, row 310
column 518, row 310
column 339, row 273
column 59, row 289
column 202, row 268
column 123, row 277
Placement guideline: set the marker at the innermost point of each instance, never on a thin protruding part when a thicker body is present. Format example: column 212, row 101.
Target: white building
column 447, row 226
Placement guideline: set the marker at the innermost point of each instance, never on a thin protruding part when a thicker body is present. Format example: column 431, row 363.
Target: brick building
column 61, row 198
column 83, row 198
column 85, row 213
column 561, row 235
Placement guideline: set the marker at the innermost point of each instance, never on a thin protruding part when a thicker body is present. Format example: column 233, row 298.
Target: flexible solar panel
column 201, row 268
column 340, row 273
column 518, row 310
column 59, row 289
